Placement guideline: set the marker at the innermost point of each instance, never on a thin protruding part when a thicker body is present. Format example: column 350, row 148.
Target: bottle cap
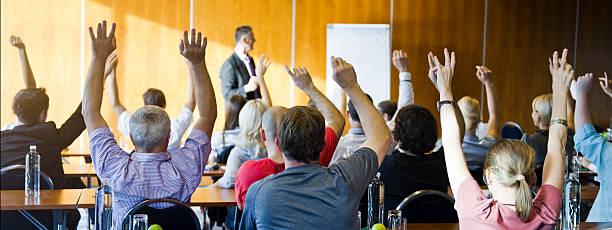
column 104, row 180
column 32, row 148
column 377, row 174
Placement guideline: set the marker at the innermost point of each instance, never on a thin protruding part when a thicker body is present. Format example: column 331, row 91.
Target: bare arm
column 554, row 166
column 102, row 46
column 113, row 91
column 190, row 104
column 583, row 86
column 433, row 77
column 485, row 75
column 378, row 136
column 26, row 70
column 194, row 53
column 333, row 117
column 263, row 65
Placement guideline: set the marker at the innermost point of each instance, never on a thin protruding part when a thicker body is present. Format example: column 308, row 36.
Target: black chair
column 179, row 216
column 478, row 172
column 12, row 178
column 429, row 206
column 237, row 217
column 511, row 130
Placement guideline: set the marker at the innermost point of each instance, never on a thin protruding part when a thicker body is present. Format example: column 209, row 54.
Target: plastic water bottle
column 570, row 217
column 104, row 206
column 376, row 193
column 32, row 173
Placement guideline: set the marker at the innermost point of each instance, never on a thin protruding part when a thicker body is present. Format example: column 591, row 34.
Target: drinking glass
column 140, row 222
column 394, row 219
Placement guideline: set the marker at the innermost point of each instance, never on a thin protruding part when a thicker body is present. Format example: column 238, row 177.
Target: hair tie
column 520, row 177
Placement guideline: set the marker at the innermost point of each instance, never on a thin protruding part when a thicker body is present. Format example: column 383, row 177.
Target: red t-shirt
column 253, row 171
column 475, row 211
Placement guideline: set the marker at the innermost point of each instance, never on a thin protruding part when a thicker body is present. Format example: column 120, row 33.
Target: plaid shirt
column 143, row 176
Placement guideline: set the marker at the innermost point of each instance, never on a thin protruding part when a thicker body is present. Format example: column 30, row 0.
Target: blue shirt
column 144, row 176
column 311, row 196
column 476, row 150
column 598, row 151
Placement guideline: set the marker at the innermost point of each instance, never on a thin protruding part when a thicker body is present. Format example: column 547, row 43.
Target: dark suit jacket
column 49, row 142
column 234, row 75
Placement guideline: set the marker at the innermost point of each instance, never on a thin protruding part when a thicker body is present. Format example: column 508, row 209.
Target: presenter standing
column 238, row 71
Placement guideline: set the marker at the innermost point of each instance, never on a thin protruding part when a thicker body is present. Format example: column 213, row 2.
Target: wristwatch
column 441, row 103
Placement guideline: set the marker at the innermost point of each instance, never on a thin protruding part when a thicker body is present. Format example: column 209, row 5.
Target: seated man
column 150, row 172
column 31, row 105
column 594, row 147
column 306, row 195
column 387, row 109
column 178, row 125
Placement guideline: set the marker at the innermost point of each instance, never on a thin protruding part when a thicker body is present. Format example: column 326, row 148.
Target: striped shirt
column 143, row 176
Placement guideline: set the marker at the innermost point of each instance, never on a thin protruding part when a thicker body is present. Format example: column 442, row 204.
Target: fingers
column 430, row 60
column 289, row 71
column 395, row 55
column 404, row 54
column 437, row 62
column 193, row 37
column 564, row 58
column 452, row 61
column 112, row 31
column 555, row 60
column 91, row 34
column 204, row 44
column 185, row 38
column 104, row 29
column 182, row 46
column 199, row 42
column 446, row 57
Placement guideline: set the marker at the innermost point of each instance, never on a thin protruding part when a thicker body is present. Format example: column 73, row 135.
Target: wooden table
column 206, row 197
column 69, row 153
column 453, row 226
column 214, row 172
column 78, row 170
column 61, row 199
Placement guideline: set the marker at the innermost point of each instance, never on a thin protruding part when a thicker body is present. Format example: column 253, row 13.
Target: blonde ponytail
column 512, row 161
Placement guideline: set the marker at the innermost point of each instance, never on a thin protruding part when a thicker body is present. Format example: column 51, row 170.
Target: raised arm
column 333, row 117
column 485, row 75
column 582, row 87
column 406, row 93
column 378, row 136
column 606, row 84
column 451, row 135
column 190, row 104
column 113, row 92
column 26, row 70
column 433, row 77
column 554, row 166
column 263, row 65
column 101, row 47
column 194, row 53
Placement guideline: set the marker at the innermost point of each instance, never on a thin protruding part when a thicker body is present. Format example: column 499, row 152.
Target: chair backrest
column 224, row 154
column 428, row 206
column 179, row 216
column 13, row 178
column 512, row 130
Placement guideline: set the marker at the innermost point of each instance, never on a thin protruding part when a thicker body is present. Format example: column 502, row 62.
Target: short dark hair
column 301, row 134
column 29, row 103
column 154, row 97
column 416, row 129
column 352, row 112
column 387, row 107
column 242, row 31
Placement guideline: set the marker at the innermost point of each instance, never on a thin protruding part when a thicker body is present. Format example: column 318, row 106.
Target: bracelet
column 559, row 121
column 441, row 103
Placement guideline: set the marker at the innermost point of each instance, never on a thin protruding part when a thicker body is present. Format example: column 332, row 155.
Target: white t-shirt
column 178, row 127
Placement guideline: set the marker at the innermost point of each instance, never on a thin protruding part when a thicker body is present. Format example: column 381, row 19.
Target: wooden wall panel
column 595, row 54
column 312, row 18
column 271, row 23
column 50, row 31
column 521, row 35
column 148, row 34
column 425, row 25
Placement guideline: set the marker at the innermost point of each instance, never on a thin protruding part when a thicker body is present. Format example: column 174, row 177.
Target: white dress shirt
column 245, row 59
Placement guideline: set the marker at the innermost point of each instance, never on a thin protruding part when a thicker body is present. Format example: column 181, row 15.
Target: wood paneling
column 425, row 25
column 148, row 34
column 312, row 18
column 50, row 31
column 521, row 35
column 271, row 23
column 595, row 54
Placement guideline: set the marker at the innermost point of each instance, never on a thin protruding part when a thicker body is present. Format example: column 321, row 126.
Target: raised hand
column 16, row 42
column 111, row 63
column 400, row 60
column 344, row 74
column 193, row 51
column 432, row 73
column 301, row 78
column 101, row 44
column 582, row 85
column 605, row 83
column 263, row 65
column 484, row 74
column 444, row 73
column 562, row 73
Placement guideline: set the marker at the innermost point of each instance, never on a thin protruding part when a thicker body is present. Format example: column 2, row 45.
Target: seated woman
column 224, row 141
column 541, row 115
column 475, row 149
column 249, row 145
column 508, row 166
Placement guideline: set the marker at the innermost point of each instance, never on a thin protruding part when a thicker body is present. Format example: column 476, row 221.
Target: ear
column 386, row 116
column 43, row 116
column 348, row 115
column 488, row 177
column 263, row 135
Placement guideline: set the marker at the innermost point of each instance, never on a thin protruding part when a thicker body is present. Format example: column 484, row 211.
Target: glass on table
column 394, row 220
column 140, row 222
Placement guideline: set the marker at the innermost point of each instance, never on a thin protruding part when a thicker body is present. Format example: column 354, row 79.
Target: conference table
column 87, row 170
column 455, row 226
column 205, row 197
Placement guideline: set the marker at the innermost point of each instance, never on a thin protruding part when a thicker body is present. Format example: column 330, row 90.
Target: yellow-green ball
column 378, row 227
column 155, row 227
